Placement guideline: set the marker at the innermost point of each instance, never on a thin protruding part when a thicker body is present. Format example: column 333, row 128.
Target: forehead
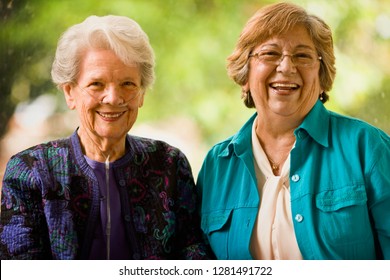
column 101, row 63
column 295, row 37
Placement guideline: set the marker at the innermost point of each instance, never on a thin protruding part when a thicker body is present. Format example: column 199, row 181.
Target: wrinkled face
column 107, row 95
column 289, row 86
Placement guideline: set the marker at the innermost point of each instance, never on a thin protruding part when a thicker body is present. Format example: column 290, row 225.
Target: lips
column 284, row 86
column 110, row 115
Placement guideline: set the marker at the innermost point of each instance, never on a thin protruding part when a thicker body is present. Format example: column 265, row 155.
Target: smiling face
column 284, row 89
column 106, row 95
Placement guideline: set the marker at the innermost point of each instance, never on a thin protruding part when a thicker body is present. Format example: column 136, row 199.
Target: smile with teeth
column 110, row 115
column 284, row 86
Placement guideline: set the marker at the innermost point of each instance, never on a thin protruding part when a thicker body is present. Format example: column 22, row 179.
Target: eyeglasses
column 299, row 59
column 129, row 91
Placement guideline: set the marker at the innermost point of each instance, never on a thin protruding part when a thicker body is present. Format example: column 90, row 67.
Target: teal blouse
column 339, row 182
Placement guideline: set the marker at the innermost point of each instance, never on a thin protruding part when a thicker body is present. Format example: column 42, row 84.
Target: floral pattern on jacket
column 50, row 202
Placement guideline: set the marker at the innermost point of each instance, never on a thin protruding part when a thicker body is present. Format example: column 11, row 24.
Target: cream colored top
column 273, row 236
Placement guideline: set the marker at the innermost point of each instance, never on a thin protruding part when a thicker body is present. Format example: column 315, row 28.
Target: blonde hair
column 273, row 20
column 120, row 34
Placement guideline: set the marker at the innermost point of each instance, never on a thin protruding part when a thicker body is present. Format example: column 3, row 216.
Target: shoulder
column 218, row 161
column 151, row 146
column 353, row 128
column 157, row 153
column 220, row 148
column 43, row 151
column 352, row 136
column 236, row 144
column 38, row 157
column 157, row 161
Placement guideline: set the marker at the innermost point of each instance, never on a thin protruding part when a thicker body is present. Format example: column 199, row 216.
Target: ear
column 69, row 96
column 245, row 87
column 141, row 99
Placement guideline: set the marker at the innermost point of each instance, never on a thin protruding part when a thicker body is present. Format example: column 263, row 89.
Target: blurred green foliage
column 192, row 39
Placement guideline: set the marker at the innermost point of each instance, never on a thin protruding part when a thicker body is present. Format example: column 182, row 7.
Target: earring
column 321, row 96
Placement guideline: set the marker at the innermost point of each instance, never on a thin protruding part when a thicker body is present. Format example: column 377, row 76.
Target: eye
column 129, row 85
column 270, row 54
column 96, row 85
column 303, row 55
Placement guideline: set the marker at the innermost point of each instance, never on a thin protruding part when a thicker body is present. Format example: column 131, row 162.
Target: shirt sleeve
column 23, row 230
column 378, row 184
column 193, row 245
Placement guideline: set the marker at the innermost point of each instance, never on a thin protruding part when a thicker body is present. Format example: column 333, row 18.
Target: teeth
column 284, row 85
column 110, row 115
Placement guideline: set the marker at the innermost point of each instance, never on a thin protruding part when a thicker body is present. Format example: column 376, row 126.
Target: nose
column 113, row 96
column 286, row 64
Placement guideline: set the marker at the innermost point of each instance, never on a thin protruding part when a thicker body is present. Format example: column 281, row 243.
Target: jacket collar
column 316, row 124
column 133, row 148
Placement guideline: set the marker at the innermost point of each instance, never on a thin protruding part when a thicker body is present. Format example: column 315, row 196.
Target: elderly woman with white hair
column 101, row 193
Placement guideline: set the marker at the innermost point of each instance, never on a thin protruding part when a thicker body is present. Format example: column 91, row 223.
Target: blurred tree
column 10, row 61
column 192, row 39
column 20, row 49
column 374, row 107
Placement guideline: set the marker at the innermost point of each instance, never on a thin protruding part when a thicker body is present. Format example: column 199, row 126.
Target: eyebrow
column 301, row 46
column 102, row 78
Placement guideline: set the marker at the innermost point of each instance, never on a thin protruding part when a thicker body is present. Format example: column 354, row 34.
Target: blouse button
column 295, row 178
column 298, row 218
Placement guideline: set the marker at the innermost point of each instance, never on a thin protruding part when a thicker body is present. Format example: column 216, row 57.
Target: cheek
column 313, row 77
column 132, row 116
column 258, row 77
column 126, row 123
column 310, row 80
column 86, row 113
column 311, row 90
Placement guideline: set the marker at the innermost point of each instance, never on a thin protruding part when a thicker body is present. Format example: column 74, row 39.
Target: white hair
column 120, row 34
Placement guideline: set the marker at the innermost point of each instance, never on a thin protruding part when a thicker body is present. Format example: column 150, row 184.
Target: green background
column 193, row 104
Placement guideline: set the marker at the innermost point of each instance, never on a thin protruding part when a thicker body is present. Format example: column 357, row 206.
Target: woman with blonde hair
column 296, row 181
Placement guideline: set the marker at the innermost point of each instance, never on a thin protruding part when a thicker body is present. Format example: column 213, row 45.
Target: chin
column 111, row 134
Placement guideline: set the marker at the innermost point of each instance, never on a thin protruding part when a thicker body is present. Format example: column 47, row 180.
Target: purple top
column 118, row 244
column 50, row 203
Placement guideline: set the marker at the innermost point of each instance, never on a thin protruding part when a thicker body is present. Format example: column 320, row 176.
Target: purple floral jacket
column 50, row 203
